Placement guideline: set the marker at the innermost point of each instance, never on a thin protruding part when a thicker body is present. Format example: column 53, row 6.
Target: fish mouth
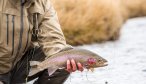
column 97, row 65
column 103, row 65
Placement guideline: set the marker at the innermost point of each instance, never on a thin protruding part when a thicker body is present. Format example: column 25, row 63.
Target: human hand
column 72, row 66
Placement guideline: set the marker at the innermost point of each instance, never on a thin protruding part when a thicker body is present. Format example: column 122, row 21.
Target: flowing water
column 127, row 58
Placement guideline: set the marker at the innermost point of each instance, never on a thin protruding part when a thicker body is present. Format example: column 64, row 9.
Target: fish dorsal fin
column 52, row 69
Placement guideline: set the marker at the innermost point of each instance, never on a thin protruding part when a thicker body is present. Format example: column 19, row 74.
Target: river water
column 126, row 58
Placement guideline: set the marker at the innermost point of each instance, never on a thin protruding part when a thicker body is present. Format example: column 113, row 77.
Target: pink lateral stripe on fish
column 87, row 58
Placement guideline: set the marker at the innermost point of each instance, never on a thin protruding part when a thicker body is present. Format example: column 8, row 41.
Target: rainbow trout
column 88, row 59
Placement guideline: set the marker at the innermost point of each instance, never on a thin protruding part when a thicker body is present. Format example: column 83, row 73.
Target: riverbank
column 92, row 21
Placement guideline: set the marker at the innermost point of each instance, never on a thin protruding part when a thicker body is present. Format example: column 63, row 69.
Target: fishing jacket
column 16, row 30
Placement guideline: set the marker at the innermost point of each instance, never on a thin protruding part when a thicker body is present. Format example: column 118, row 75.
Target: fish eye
column 100, row 60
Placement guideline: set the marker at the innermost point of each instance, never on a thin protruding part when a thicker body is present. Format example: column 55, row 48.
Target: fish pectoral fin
column 52, row 69
column 92, row 69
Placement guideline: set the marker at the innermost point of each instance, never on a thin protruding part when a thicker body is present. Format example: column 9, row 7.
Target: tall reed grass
column 89, row 21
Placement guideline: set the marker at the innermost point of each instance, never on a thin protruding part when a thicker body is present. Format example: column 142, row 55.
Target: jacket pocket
column 17, row 29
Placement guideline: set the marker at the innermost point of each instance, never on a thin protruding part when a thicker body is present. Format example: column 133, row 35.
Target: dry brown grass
column 133, row 8
column 88, row 21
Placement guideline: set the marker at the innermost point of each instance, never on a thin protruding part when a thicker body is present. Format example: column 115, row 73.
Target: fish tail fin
column 34, row 68
column 34, row 63
column 33, row 71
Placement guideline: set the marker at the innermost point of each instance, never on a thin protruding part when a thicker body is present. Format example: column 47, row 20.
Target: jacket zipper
column 27, row 39
column 13, row 33
column 7, row 29
column 21, row 30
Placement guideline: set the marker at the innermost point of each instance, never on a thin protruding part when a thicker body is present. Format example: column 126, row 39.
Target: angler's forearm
column 51, row 37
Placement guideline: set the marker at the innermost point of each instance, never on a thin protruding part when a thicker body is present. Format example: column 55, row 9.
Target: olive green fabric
column 14, row 39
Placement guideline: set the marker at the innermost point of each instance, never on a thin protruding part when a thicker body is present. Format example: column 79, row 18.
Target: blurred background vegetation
column 90, row 21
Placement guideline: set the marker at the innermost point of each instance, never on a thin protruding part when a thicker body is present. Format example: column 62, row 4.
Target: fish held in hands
column 88, row 59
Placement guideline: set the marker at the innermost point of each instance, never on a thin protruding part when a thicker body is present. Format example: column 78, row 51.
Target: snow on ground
column 126, row 58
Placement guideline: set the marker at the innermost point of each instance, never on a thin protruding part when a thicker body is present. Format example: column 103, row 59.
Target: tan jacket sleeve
column 51, row 37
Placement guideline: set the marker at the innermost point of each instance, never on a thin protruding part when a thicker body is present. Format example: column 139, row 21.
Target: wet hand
column 72, row 66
